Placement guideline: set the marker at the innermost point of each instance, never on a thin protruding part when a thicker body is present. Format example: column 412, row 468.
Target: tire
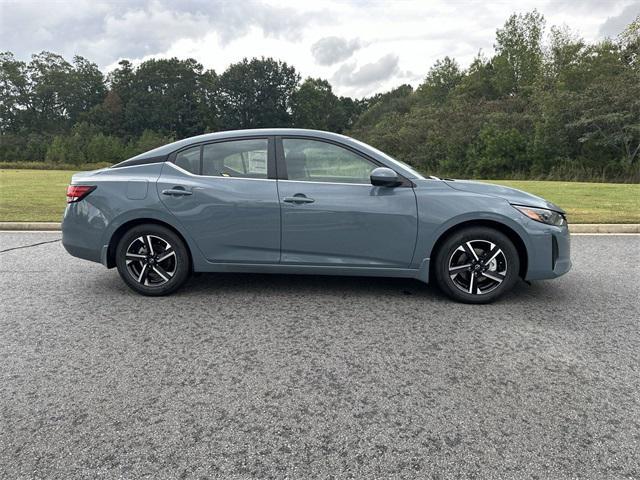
column 476, row 265
column 159, row 270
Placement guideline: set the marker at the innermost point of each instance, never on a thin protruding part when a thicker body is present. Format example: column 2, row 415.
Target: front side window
column 189, row 160
column 317, row 161
column 236, row 158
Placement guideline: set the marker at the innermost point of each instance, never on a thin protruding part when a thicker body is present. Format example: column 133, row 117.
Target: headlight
column 543, row 215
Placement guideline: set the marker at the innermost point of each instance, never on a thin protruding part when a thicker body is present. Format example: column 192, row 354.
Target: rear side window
column 236, row 158
column 189, row 160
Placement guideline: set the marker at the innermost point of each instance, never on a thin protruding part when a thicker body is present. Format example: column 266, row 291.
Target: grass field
column 587, row 202
column 39, row 195
column 33, row 195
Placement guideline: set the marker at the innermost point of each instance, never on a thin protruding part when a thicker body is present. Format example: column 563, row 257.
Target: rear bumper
column 80, row 252
column 549, row 252
column 82, row 231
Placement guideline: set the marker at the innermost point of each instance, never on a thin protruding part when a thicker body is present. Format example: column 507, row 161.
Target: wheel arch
column 122, row 229
column 511, row 234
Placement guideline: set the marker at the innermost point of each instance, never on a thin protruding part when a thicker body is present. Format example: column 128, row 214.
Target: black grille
column 554, row 251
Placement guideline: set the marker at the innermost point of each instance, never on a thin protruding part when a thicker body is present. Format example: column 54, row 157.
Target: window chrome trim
column 133, row 166
column 328, row 183
column 182, row 170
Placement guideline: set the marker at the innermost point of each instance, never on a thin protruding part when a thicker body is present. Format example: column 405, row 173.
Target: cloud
column 107, row 32
column 583, row 5
column 334, row 39
column 614, row 25
column 330, row 50
column 369, row 73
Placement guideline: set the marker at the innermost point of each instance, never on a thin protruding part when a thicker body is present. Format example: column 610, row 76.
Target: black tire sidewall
column 476, row 233
column 182, row 257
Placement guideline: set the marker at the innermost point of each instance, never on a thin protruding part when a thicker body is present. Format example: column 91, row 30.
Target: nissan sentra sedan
column 307, row 202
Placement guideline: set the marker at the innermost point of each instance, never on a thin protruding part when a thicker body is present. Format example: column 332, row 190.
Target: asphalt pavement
column 259, row 376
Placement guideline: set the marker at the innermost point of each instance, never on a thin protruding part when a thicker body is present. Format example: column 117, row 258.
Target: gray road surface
column 257, row 376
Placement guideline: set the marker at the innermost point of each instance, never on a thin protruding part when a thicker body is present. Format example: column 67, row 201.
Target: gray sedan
column 307, row 202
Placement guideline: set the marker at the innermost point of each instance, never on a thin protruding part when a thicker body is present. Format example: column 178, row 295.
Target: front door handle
column 176, row 192
column 298, row 198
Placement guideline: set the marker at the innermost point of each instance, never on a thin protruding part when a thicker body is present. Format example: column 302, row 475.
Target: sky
column 362, row 47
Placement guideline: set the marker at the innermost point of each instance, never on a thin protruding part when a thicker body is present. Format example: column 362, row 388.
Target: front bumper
column 549, row 251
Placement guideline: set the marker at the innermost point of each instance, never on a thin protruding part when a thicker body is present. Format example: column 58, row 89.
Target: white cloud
column 363, row 47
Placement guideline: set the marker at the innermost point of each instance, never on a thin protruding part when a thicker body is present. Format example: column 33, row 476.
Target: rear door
column 225, row 195
column 332, row 215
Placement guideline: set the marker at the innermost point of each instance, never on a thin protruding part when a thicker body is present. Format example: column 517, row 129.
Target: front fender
column 479, row 217
column 440, row 210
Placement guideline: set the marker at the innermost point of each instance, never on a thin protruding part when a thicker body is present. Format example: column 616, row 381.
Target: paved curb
column 605, row 228
column 575, row 228
column 27, row 226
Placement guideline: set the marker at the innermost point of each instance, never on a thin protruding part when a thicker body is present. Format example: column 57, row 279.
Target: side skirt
column 316, row 270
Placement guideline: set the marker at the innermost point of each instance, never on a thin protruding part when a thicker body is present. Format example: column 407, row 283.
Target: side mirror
column 385, row 177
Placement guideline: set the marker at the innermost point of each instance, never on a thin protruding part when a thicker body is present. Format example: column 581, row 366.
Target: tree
column 104, row 148
column 148, row 141
column 256, row 93
column 163, row 95
column 315, row 106
column 630, row 44
column 479, row 81
column 442, row 78
column 609, row 117
column 14, row 92
column 519, row 52
column 48, row 94
column 397, row 100
column 498, row 151
column 87, row 88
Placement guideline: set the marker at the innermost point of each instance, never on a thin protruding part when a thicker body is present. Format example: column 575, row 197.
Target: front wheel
column 152, row 260
column 477, row 265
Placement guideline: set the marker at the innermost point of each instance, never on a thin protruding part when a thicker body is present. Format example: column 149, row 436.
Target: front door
column 222, row 195
column 332, row 215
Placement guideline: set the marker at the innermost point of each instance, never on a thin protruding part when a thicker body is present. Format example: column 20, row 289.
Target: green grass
column 52, row 166
column 33, row 195
column 39, row 196
column 587, row 202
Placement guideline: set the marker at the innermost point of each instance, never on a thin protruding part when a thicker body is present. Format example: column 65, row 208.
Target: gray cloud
column 330, row 50
column 384, row 68
column 614, row 25
column 582, row 5
column 107, row 32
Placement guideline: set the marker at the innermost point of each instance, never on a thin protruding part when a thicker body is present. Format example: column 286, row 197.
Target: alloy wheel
column 477, row 267
column 151, row 260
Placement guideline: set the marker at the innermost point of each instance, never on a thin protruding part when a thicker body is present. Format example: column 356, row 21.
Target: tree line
column 543, row 106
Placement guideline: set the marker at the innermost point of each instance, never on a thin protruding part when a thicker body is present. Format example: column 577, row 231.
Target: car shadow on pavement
column 327, row 285
column 305, row 284
column 202, row 285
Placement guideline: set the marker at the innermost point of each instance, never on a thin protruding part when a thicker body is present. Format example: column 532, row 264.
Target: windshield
column 392, row 160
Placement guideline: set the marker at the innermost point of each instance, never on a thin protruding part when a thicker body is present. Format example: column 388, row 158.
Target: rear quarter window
column 189, row 160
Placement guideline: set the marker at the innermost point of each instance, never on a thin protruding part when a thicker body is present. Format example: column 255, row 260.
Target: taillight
column 75, row 193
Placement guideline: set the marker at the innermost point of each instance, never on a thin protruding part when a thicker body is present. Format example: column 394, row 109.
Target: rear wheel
column 477, row 265
column 152, row 260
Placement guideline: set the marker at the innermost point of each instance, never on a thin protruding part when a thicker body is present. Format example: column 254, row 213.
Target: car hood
column 511, row 195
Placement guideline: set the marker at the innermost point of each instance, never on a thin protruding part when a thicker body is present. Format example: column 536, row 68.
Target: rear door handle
column 176, row 192
column 298, row 198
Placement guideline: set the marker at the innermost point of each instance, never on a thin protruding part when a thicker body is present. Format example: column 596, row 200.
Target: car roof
column 171, row 147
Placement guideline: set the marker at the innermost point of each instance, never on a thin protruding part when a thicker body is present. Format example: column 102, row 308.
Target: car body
column 304, row 202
